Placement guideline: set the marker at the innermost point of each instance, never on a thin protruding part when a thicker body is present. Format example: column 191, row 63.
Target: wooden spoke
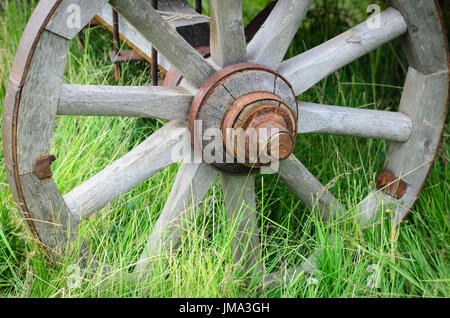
column 144, row 101
column 308, row 189
column 64, row 21
column 346, row 121
column 165, row 39
column 240, row 204
column 271, row 42
column 308, row 68
column 191, row 185
column 151, row 156
column 228, row 44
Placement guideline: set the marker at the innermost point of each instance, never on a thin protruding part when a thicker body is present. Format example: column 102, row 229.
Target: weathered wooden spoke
column 142, row 101
column 231, row 94
column 307, row 69
column 191, row 185
column 346, row 121
column 240, row 204
column 270, row 43
column 309, row 189
column 165, row 39
column 227, row 32
column 151, row 156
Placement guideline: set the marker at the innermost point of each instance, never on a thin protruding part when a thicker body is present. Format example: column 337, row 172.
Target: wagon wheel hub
column 255, row 111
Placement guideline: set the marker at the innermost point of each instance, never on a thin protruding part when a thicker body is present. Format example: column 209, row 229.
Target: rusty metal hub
column 250, row 100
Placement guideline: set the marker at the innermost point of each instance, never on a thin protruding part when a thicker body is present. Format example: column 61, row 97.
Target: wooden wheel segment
column 244, row 78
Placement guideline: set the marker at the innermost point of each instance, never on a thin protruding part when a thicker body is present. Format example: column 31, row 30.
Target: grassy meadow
column 383, row 261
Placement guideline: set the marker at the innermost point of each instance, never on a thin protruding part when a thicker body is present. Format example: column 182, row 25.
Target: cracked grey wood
column 166, row 40
column 424, row 99
column 308, row 189
column 192, row 183
column 50, row 215
column 306, row 69
column 284, row 91
column 39, row 100
column 240, row 204
column 269, row 45
column 73, row 15
column 425, row 44
column 149, row 157
column 128, row 101
column 245, row 82
column 228, row 45
column 347, row 121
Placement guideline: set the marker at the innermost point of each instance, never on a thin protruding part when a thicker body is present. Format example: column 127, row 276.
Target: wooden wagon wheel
column 245, row 86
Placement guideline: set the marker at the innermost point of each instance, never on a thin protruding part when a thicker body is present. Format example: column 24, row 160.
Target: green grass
column 412, row 261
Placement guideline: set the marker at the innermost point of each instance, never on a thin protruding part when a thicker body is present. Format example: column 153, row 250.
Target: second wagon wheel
column 240, row 86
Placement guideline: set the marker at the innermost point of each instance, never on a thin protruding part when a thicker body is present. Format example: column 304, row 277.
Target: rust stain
column 391, row 185
column 42, row 166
